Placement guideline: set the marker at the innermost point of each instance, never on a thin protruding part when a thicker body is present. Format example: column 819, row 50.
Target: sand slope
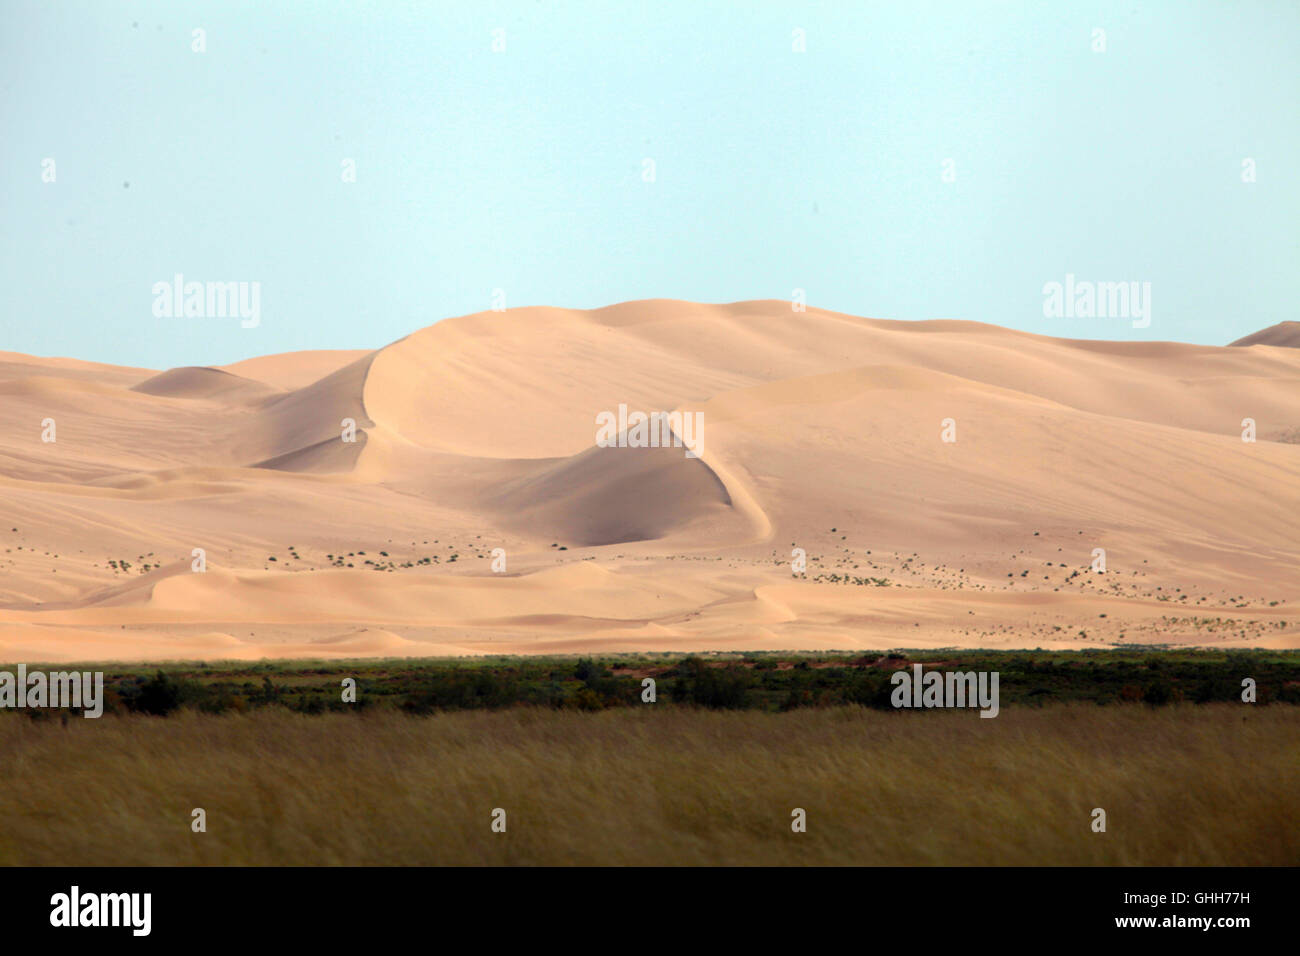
column 475, row 444
column 1285, row 334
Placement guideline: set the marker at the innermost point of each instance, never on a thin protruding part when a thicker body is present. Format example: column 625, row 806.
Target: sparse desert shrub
column 586, row 699
column 586, row 669
column 713, row 687
column 158, row 696
column 1157, row 693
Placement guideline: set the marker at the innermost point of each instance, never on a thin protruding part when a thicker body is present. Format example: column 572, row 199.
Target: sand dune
column 293, row 370
column 821, row 432
column 199, row 382
column 607, row 496
column 1286, row 334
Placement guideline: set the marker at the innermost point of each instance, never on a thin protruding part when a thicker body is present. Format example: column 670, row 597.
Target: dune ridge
column 1284, row 334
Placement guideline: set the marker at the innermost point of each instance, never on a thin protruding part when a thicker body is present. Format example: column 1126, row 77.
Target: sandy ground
column 821, row 432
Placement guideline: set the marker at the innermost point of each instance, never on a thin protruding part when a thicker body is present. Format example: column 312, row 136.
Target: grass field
column 1214, row 784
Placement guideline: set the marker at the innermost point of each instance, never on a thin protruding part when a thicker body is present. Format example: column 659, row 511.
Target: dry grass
column 1218, row 784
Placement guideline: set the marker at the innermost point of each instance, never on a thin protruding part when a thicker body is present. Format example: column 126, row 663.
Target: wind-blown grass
column 1216, row 784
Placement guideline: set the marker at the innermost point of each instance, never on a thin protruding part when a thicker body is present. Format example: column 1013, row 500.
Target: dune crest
column 1284, row 334
column 203, row 382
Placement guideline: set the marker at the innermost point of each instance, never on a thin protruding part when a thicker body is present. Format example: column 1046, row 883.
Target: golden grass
column 1216, row 785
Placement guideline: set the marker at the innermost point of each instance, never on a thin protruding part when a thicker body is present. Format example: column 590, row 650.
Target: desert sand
column 821, row 432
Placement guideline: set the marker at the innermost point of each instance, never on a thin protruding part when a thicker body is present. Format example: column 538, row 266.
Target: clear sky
column 523, row 170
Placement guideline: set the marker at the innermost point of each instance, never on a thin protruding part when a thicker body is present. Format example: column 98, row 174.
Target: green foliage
column 158, row 696
column 714, row 687
column 755, row 681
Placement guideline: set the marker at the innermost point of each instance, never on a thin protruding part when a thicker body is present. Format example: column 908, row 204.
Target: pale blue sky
column 522, row 170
